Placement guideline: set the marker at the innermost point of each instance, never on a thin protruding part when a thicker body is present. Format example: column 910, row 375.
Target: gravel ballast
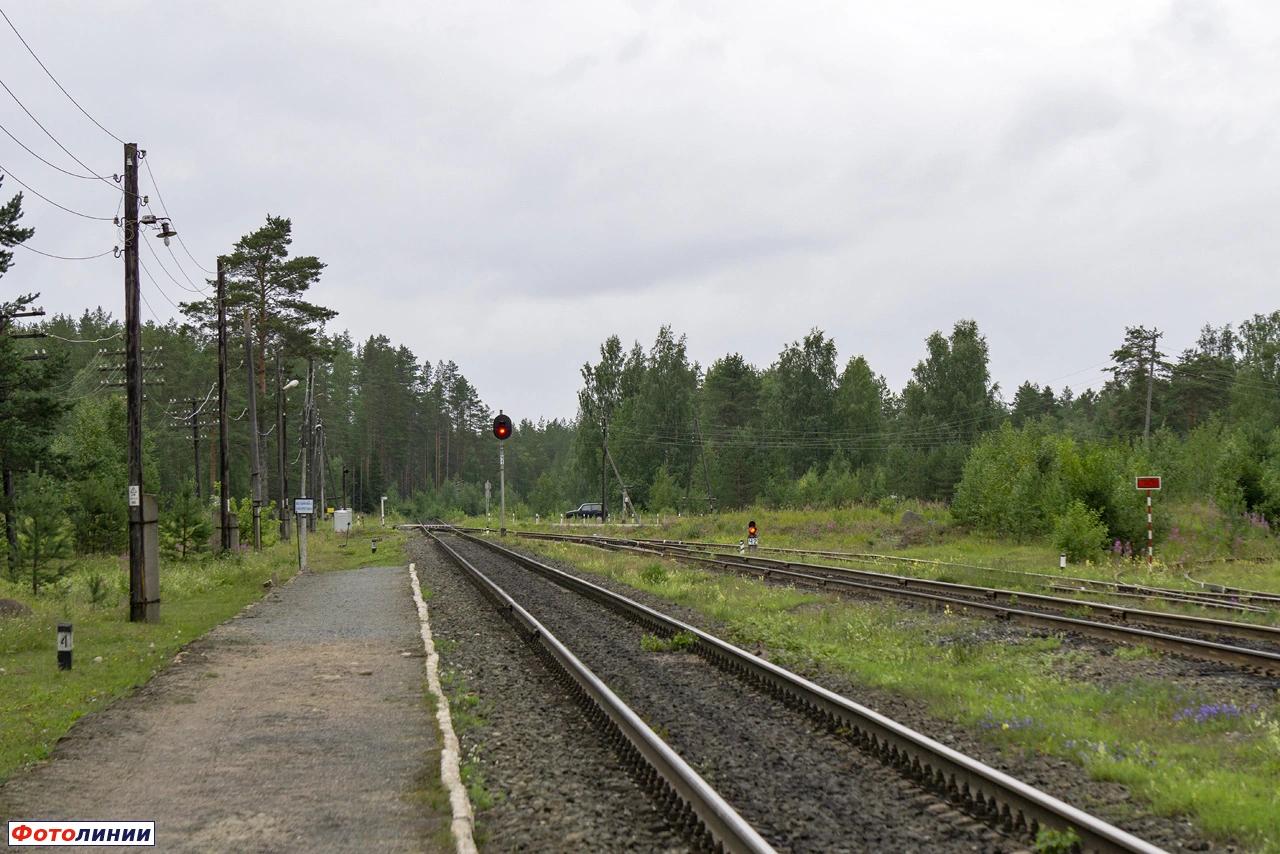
column 801, row 786
column 541, row 776
column 1059, row 777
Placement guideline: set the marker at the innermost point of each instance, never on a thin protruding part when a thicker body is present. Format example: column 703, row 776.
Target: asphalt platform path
column 300, row 725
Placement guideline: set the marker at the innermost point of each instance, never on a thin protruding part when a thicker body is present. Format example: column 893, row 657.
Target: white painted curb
column 463, row 820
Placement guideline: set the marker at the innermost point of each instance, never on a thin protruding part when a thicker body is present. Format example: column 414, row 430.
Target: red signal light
column 751, row 529
column 501, row 426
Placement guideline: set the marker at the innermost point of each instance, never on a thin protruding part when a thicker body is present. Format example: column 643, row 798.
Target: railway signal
column 502, row 432
column 753, row 538
column 502, row 426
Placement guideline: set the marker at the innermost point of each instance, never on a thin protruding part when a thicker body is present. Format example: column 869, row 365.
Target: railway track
column 1209, row 596
column 1055, row 613
column 688, row 797
column 984, row 792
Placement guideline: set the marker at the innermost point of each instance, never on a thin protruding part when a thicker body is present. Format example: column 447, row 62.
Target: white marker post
column 65, row 644
column 1150, row 483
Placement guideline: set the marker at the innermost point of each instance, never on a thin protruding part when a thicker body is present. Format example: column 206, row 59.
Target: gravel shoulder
column 801, row 786
column 299, row 725
column 541, row 776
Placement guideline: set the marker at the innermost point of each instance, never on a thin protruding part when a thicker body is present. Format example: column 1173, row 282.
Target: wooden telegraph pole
column 195, row 442
column 255, row 462
column 224, row 472
column 144, row 603
column 282, row 476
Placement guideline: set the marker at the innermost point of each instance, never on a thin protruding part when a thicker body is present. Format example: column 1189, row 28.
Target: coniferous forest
column 816, row 427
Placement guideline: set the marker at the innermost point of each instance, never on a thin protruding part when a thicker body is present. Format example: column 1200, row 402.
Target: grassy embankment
column 1193, row 539
column 39, row 703
column 1181, row 750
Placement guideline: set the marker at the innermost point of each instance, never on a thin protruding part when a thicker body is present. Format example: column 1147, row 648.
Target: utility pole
column 702, row 446
column 144, row 599
column 281, row 474
column 305, row 522
column 192, row 420
column 322, row 468
column 308, row 442
column 255, row 467
column 604, row 470
column 195, row 442
column 1151, row 376
column 224, row 468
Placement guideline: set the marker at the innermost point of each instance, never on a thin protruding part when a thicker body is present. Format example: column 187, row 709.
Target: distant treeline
column 810, row 429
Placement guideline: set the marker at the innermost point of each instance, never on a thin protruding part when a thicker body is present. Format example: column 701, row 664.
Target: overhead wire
column 50, row 164
column 194, row 290
column 66, row 257
column 154, row 316
column 109, row 182
column 111, row 337
column 157, row 286
column 55, row 79
column 51, row 201
column 165, row 208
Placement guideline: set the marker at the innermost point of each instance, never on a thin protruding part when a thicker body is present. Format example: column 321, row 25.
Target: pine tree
column 44, row 533
column 264, row 279
column 29, row 411
column 186, row 527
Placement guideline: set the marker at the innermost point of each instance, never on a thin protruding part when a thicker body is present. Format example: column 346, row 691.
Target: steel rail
column 717, row 818
column 981, row 789
column 1223, row 597
column 1258, row 661
column 1059, row 603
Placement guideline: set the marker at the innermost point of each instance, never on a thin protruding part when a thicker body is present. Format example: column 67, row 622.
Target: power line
column 154, row 316
column 66, row 257
column 156, row 255
column 49, row 200
column 111, row 337
column 56, row 141
column 198, row 288
column 157, row 284
column 55, row 80
column 165, row 209
column 46, row 162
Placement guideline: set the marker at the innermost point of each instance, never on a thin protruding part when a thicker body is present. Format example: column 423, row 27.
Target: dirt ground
column 300, row 725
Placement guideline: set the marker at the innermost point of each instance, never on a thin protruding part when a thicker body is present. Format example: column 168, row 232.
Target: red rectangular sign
column 1148, row 482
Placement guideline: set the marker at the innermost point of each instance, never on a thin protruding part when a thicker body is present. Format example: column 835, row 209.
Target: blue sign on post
column 304, row 506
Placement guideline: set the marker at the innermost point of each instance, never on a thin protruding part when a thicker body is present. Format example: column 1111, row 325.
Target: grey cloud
column 1057, row 117
column 557, row 172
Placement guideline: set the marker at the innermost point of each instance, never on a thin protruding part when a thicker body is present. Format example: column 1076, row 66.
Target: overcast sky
column 504, row 184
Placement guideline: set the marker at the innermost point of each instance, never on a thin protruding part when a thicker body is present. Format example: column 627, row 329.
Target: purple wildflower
column 1207, row 712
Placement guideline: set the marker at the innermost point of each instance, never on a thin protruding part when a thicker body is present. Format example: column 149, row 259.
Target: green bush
column 1079, row 532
